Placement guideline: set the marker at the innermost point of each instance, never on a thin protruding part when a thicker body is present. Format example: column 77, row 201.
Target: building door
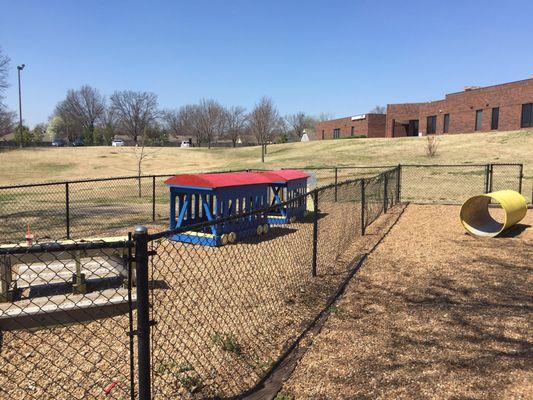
column 413, row 127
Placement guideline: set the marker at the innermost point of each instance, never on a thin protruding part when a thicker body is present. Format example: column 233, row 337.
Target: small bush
column 227, row 342
column 282, row 396
column 432, row 144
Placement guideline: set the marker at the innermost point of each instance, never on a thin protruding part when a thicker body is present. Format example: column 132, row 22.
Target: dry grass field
column 434, row 314
column 55, row 164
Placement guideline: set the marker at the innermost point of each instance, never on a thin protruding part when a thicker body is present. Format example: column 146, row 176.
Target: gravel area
column 433, row 313
column 224, row 315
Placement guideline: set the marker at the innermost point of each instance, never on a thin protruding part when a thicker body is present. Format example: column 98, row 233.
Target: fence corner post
column 520, row 178
column 363, row 205
column 336, row 182
column 143, row 311
column 315, row 232
column 399, row 184
column 385, row 194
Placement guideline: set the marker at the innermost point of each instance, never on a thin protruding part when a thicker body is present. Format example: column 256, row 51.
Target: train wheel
column 259, row 230
column 232, row 237
column 292, row 219
column 224, row 239
column 266, row 228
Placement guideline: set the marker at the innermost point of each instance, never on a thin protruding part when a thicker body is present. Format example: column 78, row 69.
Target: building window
column 527, row 115
column 353, row 131
column 479, row 120
column 446, row 124
column 432, row 124
column 336, row 133
column 322, row 134
column 495, row 118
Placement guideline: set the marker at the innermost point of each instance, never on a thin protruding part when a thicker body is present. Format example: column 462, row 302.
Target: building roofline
column 488, row 87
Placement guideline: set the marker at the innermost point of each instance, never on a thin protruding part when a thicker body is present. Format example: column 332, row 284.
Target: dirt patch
column 433, row 313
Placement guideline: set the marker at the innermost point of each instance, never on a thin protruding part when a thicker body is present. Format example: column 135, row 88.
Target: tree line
column 85, row 113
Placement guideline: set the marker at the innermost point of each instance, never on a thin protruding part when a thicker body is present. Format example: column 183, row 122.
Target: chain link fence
column 202, row 322
column 78, row 209
column 66, row 314
column 215, row 319
column 224, row 315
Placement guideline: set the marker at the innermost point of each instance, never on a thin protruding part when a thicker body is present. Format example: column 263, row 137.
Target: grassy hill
column 53, row 164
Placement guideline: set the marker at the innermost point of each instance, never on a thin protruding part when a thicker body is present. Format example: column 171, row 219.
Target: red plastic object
column 284, row 175
column 110, row 387
column 228, row 179
column 225, row 179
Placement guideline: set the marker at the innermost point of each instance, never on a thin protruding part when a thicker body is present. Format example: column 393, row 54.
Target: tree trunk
column 262, row 152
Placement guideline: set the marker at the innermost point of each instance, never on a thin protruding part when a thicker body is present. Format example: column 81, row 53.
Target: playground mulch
column 433, row 313
column 256, row 296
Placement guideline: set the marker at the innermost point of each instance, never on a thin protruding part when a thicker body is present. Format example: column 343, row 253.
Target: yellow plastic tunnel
column 477, row 219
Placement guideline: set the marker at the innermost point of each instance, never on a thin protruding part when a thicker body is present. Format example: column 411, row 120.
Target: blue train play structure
column 198, row 198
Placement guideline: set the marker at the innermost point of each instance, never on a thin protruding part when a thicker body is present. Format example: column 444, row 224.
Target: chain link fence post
column 491, row 170
column 336, row 182
column 385, row 196
column 67, row 209
column 398, row 183
column 520, row 177
column 153, row 198
column 362, row 207
column 143, row 311
column 487, row 177
column 315, row 231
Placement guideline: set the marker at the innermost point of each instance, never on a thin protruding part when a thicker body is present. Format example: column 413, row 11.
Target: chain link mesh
column 65, row 321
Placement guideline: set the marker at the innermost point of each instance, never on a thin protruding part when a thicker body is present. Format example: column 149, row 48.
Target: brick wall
column 372, row 126
column 462, row 107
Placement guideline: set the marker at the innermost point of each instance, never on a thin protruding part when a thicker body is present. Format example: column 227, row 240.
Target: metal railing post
column 153, row 198
column 487, row 167
column 315, row 232
column 520, row 177
column 491, row 170
column 398, row 183
column 336, row 182
column 67, row 209
column 385, row 195
column 143, row 311
column 362, row 207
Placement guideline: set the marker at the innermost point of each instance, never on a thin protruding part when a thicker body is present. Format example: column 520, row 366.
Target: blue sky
column 339, row 57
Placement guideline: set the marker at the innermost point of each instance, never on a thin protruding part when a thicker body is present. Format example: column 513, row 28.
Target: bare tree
column 236, row 121
column 378, row 110
column 4, row 71
column 83, row 107
column 7, row 121
column 210, row 119
column 184, row 122
column 134, row 111
column 299, row 122
column 265, row 122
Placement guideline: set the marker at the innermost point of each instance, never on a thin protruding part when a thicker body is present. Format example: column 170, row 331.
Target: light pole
column 20, row 68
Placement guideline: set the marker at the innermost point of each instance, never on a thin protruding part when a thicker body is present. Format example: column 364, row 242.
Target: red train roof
column 228, row 179
column 285, row 175
column 225, row 179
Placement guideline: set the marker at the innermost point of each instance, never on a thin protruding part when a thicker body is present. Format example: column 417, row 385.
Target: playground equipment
column 285, row 185
column 197, row 198
column 477, row 220
column 45, row 287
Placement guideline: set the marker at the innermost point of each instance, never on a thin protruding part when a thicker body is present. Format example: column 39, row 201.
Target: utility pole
column 20, row 68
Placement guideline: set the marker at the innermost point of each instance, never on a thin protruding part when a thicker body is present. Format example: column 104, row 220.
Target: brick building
column 370, row 125
column 504, row 107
